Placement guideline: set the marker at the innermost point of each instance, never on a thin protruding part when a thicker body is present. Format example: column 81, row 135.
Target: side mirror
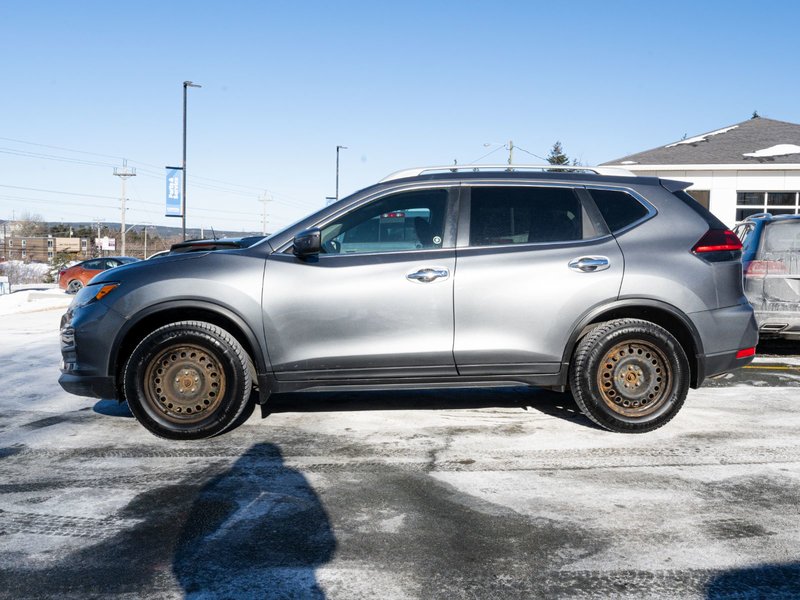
column 307, row 243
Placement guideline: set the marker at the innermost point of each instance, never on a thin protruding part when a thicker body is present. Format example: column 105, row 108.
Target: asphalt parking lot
column 458, row 494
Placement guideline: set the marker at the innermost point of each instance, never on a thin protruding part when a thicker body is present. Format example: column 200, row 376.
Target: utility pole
column 510, row 152
column 264, row 198
column 337, row 169
column 186, row 84
column 123, row 174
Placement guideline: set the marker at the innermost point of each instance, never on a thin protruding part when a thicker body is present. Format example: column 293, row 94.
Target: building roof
column 755, row 141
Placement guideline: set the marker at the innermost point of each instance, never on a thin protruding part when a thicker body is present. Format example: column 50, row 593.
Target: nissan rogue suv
column 620, row 289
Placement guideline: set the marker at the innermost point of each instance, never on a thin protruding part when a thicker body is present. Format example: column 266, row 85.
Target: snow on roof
column 628, row 162
column 778, row 150
column 701, row 138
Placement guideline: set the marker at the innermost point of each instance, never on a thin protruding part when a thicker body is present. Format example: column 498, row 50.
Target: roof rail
column 764, row 215
column 516, row 168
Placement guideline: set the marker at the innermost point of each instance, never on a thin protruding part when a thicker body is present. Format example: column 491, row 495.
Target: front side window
column 526, row 215
column 404, row 221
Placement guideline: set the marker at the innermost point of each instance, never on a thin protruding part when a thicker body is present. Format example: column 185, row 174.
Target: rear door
column 531, row 260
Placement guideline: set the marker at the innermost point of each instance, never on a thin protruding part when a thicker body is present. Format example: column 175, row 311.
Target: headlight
column 91, row 293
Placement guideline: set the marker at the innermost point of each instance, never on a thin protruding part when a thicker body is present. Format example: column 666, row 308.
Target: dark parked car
column 622, row 289
column 771, row 261
column 73, row 278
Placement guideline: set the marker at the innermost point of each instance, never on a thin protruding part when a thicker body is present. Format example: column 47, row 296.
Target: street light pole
column 337, row 169
column 186, row 84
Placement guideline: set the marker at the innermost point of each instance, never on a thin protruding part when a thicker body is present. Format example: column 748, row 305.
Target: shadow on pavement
column 762, row 582
column 778, row 347
column 257, row 530
column 524, row 398
column 253, row 529
column 112, row 408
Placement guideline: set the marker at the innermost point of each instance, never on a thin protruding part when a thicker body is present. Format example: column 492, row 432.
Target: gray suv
column 621, row 289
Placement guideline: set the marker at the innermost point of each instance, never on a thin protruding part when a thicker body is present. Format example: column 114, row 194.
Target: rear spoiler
column 673, row 185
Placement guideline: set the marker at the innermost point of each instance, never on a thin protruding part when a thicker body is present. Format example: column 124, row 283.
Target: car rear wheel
column 74, row 286
column 629, row 376
column 188, row 380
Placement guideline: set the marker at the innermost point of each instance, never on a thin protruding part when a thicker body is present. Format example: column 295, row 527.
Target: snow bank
column 27, row 301
column 701, row 138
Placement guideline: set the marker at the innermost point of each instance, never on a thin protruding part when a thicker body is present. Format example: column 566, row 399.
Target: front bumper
column 87, row 385
column 87, row 337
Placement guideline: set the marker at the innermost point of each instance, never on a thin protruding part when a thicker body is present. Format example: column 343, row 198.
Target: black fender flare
column 260, row 356
column 595, row 315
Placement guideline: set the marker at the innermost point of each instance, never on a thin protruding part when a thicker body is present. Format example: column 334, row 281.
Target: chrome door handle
column 589, row 264
column 428, row 274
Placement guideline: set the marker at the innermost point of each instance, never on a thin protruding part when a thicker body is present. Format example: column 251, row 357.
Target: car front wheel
column 188, row 380
column 629, row 376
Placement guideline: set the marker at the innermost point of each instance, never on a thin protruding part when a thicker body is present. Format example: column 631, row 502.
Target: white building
column 736, row 171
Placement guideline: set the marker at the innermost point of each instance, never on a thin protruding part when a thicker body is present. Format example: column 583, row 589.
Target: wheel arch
column 660, row 313
column 158, row 315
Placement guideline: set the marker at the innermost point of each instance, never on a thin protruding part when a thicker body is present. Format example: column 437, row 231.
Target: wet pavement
column 459, row 494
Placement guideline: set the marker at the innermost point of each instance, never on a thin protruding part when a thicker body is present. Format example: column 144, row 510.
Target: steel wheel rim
column 185, row 383
column 635, row 378
column 74, row 286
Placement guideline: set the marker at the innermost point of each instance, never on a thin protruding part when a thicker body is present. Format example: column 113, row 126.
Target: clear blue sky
column 401, row 84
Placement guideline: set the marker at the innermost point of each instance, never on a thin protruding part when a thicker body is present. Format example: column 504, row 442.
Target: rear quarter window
column 619, row 209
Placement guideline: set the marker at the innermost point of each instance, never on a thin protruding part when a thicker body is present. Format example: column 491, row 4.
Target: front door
column 376, row 303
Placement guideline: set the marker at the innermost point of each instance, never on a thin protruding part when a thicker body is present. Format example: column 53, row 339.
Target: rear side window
column 619, row 209
column 526, row 215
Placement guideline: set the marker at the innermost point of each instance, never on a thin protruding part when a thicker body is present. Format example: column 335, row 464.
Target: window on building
column 24, row 243
column 24, row 254
column 775, row 203
column 49, row 243
column 703, row 197
column 50, row 255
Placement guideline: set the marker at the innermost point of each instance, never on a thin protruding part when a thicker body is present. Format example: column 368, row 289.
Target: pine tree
column 557, row 156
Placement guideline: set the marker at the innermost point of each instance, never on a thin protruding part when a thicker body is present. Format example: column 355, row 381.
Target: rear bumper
column 777, row 324
column 724, row 332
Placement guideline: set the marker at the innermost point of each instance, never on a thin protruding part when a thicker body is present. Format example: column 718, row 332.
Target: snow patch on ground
column 701, row 138
column 778, row 150
column 27, row 301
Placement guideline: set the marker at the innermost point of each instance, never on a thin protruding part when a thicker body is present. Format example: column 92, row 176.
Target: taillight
column 717, row 240
column 760, row 268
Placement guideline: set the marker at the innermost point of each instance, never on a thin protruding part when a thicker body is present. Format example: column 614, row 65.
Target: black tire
column 629, row 376
column 74, row 286
column 188, row 380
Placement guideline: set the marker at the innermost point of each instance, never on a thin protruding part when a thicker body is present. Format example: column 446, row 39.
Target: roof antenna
column 755, row 115
column 213, row 234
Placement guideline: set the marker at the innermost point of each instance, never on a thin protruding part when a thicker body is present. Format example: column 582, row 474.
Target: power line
column 23, row 153
column 488, row 154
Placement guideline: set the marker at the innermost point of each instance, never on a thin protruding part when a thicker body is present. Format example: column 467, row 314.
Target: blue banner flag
column 174, row 192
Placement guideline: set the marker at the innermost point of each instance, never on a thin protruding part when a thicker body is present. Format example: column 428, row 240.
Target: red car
column 75, row 277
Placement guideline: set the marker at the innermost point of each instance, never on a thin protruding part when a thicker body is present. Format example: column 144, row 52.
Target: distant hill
column 161, row 231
